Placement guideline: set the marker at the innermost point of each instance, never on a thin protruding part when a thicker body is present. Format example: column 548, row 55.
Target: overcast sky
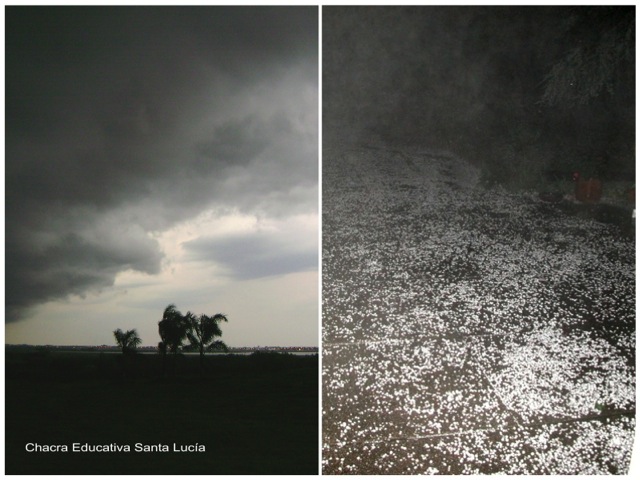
column 160, row 155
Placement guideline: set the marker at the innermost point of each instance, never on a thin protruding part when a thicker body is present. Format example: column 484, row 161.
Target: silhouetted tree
column 172, row 328
column 127, row 341
column 601, row 53
column 173, row 331
column 202, row 332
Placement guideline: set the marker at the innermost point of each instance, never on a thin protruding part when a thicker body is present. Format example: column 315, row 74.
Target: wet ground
column 468, row 330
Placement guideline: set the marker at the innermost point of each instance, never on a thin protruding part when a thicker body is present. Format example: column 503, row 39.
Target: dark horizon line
column 149, row 347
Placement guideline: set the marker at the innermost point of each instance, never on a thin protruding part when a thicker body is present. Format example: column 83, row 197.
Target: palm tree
column 127, row 341
column 202, row 332
column 173, row 330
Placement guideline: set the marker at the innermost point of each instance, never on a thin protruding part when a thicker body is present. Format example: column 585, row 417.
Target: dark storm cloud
column 124, row 120
column 72, row 262
column 253, row 256
column 235, row 141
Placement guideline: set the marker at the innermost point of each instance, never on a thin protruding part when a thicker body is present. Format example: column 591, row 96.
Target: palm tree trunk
column 162, row 348
column 175, row 361
column 201, row 359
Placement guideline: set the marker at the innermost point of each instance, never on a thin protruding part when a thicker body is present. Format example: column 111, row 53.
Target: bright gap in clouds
column 264, row 308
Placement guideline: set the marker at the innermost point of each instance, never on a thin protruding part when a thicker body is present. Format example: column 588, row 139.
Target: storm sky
column 159, row 155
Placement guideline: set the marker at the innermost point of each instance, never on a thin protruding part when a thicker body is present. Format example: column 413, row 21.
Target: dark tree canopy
column 515, row 89
column 600, row 58
column 128, row 341
column 172, row 328
column 201, row 331
column 204, row 329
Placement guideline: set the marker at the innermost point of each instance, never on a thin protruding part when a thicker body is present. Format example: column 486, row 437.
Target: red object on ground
column 588, row 191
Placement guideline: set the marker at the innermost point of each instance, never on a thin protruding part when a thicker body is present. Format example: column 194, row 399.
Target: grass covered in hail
column 470, row 330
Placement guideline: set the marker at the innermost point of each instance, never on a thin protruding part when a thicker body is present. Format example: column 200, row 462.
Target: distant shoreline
column 151, row 349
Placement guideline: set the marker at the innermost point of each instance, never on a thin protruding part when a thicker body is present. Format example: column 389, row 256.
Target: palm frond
column 220, row 317
column 119, row 336
column 174, row 328
column 193, row 340
column 128, row 340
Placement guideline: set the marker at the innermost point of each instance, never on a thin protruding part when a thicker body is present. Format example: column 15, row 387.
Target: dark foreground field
column 254, row 414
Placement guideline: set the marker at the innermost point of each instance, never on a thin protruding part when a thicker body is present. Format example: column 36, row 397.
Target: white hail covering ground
column 468, row 330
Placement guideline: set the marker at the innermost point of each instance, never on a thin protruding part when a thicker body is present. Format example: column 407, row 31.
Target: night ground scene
column 478, row 309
